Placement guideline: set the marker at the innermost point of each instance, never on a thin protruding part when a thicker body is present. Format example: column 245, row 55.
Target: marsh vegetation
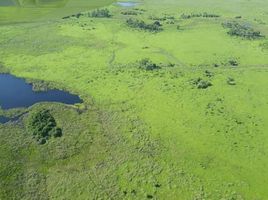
column 173, row 105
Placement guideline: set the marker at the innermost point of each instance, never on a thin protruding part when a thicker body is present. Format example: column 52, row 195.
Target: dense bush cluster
column 43, row 126
column 241, row 30
column 205, row 15
column 201, row 84
column 154, row 27
column 100, row 13
column 233, row 62
column 148, row 65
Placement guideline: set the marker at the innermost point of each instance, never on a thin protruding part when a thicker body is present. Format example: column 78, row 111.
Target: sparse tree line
column 98, row 13
column 194, row 15
column 242, row 30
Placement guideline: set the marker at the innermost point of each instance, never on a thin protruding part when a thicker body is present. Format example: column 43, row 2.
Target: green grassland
column 143, row 134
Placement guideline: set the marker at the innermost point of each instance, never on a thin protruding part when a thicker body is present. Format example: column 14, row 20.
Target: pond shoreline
column 19, row 93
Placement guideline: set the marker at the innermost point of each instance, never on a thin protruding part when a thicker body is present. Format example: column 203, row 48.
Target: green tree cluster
column 43, row 126
column 135, row 23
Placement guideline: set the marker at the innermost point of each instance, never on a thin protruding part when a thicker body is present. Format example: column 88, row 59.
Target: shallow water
column 127, row 4
column 6, row 3
column 4, row 119
column 16, row 93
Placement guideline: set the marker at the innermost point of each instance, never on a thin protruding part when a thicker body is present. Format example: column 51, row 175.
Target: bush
column 43, row 125
column 148, row 65
column 202, row 84
column 231, row 81
column 209, row 73
column 154, row 27
column 233, row 62
column 242, row 30
column 100, row 13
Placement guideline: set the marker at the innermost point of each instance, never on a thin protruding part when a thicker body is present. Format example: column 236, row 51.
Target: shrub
column 154, row 27
column 233, row 62
column 208, row 73
column 201, row 84
column 242, row 30
column 231, row 81
column 43, row 125
column 148, row 65
column 100, row 13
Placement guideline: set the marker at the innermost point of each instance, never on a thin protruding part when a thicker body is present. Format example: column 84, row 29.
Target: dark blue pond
column 16, row 93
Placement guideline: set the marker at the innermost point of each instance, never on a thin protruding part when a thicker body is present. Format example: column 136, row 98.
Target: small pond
column 6, row 3
column 4, row 119
column 16, row 93
column 127, row 4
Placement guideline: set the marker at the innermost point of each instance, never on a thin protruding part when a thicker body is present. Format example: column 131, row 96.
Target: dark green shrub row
column 43, row 126
column 129, row 12
column 78, row 15
column 242, row 30
column 154, row 27
column 148, row 65
column 162, row 18
column 100, row 13
column 205, row 15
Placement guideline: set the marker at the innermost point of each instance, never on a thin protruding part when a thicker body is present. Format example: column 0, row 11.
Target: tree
column 43, row 126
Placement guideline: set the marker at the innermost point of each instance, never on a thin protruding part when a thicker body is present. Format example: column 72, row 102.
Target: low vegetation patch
column 39, row 85
column 264, row 45
column 242, row 30
column 139, row 24
column 43, row 126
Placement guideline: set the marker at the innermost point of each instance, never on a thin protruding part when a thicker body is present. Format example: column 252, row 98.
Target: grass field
column 143, row 134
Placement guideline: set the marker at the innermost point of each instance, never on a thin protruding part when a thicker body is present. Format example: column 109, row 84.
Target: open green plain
column 143, row 134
